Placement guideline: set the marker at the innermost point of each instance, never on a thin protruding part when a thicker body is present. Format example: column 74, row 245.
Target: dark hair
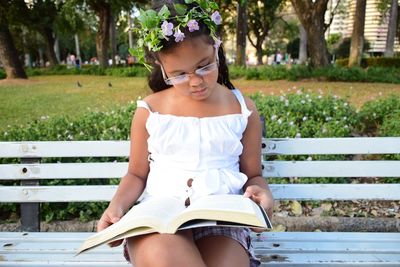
column 155, row 79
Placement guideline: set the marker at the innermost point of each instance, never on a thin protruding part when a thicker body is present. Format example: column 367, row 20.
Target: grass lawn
column 23, row 101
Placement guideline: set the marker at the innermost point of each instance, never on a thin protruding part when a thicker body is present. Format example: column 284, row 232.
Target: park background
column 67, row 75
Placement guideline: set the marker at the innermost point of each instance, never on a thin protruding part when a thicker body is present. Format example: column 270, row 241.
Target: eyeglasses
column 185, row 77
column 203, row 71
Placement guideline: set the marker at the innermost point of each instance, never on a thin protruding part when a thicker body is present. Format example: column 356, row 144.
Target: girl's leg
column 222, row 251
column 156, row 250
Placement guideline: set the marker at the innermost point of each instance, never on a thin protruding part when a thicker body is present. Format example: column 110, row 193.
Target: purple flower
column 216, row 17
column 167, row 28
column 193, row 25
column 217, row 43
column 179, row 36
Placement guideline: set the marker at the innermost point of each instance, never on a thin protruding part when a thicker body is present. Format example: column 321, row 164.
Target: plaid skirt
column 241, row 235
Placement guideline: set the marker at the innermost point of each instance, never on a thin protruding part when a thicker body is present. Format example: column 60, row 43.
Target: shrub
column 306, row 115
column 2, row 74
column 373, row 113
column 386, row 62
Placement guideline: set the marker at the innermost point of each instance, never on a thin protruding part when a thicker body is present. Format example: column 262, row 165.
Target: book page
column 235, row 209
column 148, row 216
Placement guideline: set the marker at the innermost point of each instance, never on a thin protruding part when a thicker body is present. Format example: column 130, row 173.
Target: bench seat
column 274, row 249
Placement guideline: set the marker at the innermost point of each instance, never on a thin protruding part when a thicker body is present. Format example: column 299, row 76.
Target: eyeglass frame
column 186, row 77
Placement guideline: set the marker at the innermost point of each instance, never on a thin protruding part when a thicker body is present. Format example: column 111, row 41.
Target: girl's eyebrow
column 198, row 63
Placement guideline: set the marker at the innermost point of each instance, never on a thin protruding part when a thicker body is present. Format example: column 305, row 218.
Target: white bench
column 33, row 248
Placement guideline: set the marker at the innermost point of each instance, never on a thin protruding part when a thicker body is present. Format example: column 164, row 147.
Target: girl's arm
column 256, row 186
column 133, row 183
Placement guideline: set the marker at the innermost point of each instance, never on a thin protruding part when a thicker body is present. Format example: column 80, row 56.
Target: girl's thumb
column 115, row 219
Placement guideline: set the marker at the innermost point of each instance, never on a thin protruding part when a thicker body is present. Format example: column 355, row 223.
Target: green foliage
column 134, row 71
column 2, row 74
column 111, row 125
column 306, row 115
column 379, row 112
column 331, row 73
column 386, row 62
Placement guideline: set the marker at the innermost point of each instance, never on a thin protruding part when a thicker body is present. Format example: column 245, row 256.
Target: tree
column 357, row 38
column 392, row 28
column 104, row 10
column 41, row 17
column 261, row 17
column 311, row 14
column 8, row 53
column 241, row 33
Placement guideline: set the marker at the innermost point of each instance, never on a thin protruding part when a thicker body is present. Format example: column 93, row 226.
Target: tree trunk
column 47, row 34
column 103, row 36
column 9, row 54
column 241, row 34
column 312, row 16
column 259, row 52
column 113, row 37
column 357, row 38
column 130, row 34
column 77, row 48
column 303, row 46
column 391, row 29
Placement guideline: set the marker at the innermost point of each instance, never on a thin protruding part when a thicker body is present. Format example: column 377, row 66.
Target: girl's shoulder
column 155, row 100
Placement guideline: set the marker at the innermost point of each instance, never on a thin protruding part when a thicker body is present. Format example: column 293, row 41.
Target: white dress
column 204, row 149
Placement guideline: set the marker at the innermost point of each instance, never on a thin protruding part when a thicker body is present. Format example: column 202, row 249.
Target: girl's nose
column 195, row 80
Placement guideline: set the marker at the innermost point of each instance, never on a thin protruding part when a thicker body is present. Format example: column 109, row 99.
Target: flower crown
column 156, row 26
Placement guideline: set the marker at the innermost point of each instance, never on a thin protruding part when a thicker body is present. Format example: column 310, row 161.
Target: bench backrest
column 30, row 170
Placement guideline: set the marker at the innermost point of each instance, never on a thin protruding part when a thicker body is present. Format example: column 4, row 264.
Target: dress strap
column 245, row 111
column 143, row 104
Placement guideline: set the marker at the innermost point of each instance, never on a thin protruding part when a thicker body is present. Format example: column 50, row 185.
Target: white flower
column 291, row 123
column 303, row 101
column 280, row 121
column 273, row 117
column 286, row 102
column 304, row 118
column 298, row 135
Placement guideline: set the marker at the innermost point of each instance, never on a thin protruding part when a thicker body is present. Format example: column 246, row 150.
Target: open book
column 168, row 215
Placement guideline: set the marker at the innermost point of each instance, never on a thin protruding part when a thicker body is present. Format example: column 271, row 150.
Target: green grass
column 41, row 96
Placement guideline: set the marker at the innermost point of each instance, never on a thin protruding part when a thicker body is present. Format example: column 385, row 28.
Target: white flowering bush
column 298, row 113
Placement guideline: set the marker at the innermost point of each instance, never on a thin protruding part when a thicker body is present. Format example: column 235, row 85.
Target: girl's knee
column 163, row 252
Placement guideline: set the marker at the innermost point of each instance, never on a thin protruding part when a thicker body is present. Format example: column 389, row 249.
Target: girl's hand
column 109, row 217
column 262, row 197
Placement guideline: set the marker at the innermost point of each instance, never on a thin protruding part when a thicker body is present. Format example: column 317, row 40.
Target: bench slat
column 292, row 146
column 276, row 248
column 365, row 168
column 46, row 149
column 63, row 170
column 271, row 169
column 345, row 145
column 19, row 194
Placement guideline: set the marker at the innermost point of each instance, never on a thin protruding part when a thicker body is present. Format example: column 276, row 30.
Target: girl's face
column 191, row 68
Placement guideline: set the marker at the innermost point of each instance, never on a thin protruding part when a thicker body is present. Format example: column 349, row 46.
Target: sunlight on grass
column 72, row 95
column 40, row 97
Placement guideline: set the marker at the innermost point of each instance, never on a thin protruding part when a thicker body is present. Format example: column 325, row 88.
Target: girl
column 195, row 131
